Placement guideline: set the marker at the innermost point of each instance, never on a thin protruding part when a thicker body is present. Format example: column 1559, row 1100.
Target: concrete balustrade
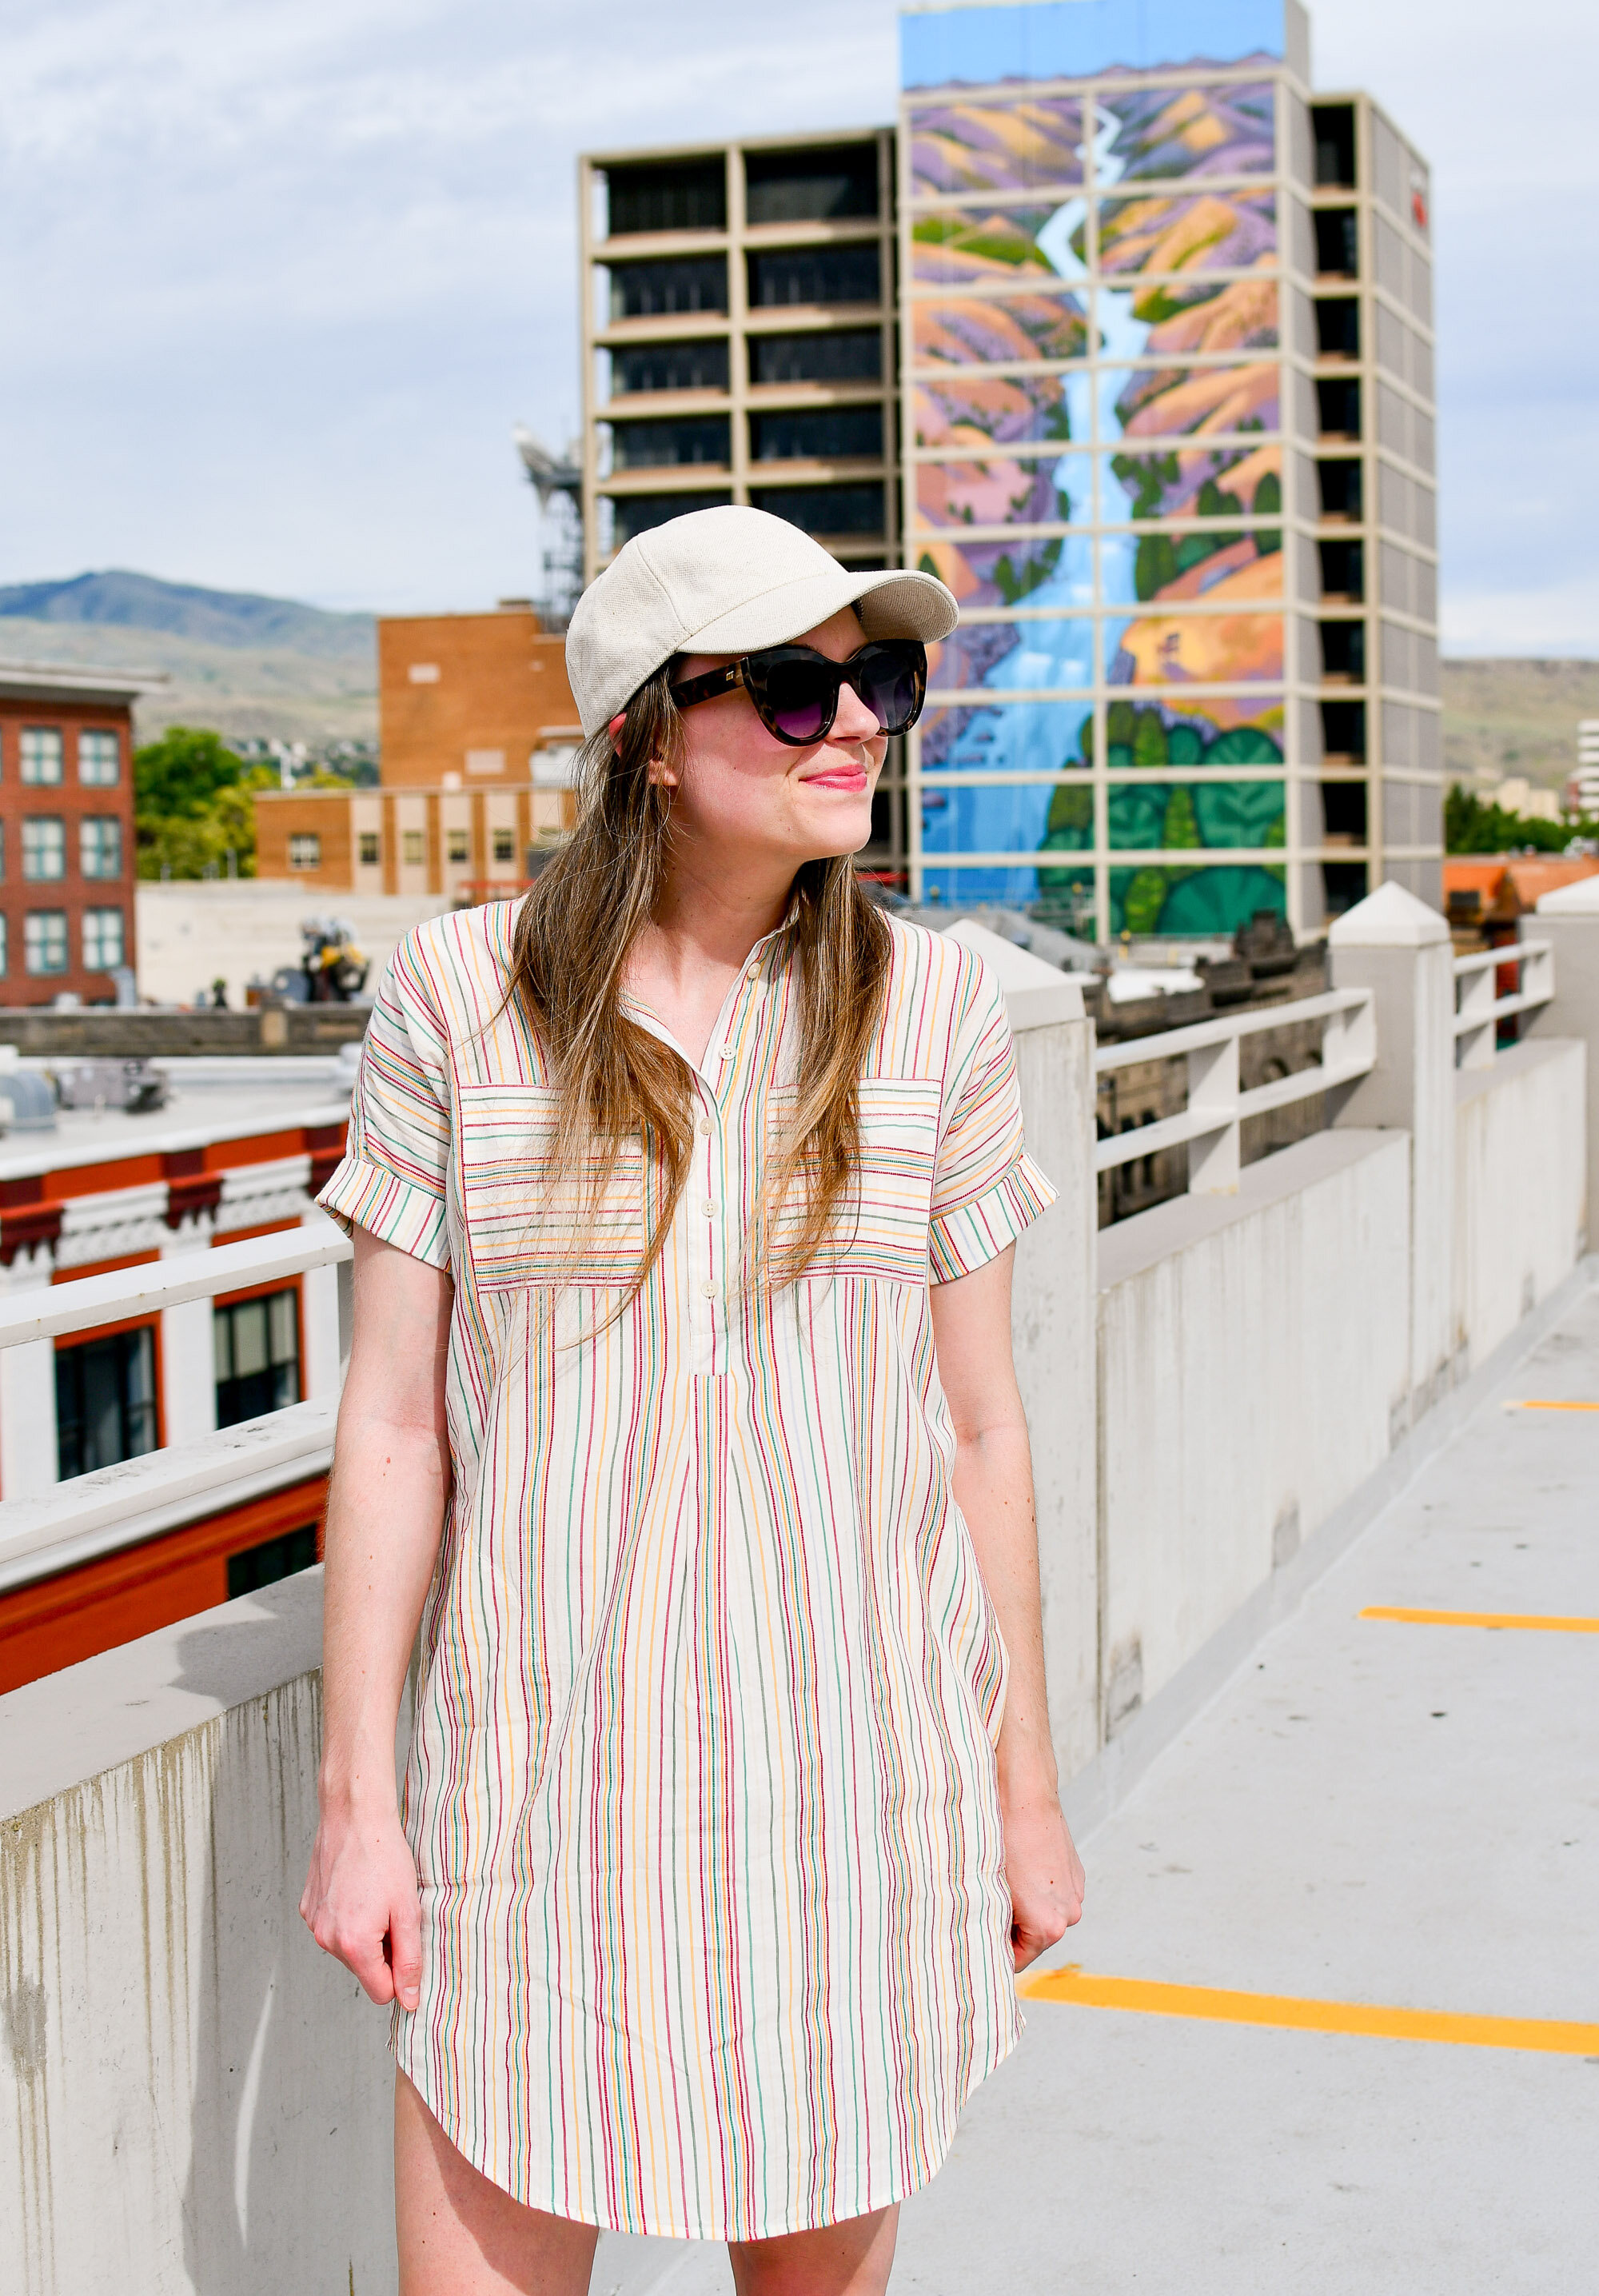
column 1222, row 1391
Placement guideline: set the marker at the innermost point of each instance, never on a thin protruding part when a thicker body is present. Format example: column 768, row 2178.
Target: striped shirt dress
column 702, row 1787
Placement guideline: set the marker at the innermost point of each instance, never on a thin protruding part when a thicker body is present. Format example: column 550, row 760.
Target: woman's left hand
column 1042, row 1869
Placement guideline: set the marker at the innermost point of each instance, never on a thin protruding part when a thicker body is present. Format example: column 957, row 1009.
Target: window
column 273, row 1559
column 814, row 275
column 460, row 844
column 670, row 195
column 656, row 445
column 99, row 760
column 824, row 435
column 42, row 755
column 103, row 943
column 505, row 845
column 99, row 845
column 824, row 509
column 105, row 1400
column 637, row 513
column 371, row 850
column 45, row 940
column 670, row 366
column 849, row 355
column 414, row 845
column 1338, row 327
column 810, row 186
column 1337, row 242
column 304, row 851
column 257, row 1345
column 667, row 289
column 44, row 848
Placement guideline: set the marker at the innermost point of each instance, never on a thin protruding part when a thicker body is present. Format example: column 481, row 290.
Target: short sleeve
column 987, row 1189
column 391, row 1180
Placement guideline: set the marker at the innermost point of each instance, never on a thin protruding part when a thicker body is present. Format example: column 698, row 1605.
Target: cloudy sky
column 277, row 277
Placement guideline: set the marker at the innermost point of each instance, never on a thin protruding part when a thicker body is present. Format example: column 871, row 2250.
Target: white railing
column 1211, row 1126
column 1480, row 1009
column 120, row 1507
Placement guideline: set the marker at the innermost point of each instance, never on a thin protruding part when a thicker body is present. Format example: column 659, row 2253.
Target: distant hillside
column 1509, row 717
column 117, row 600
column 270, row 693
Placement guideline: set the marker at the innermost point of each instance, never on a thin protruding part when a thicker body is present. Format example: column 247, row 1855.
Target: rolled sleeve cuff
column 361, row 1195
column 962, row 1240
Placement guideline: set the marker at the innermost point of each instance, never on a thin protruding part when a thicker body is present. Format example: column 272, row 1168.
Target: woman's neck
column 688, row 957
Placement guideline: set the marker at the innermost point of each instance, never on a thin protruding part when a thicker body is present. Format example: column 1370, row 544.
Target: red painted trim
column 102, row 1604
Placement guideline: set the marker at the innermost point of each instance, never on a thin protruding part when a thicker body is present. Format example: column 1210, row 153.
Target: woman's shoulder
column 935, row 982
column 457, row 966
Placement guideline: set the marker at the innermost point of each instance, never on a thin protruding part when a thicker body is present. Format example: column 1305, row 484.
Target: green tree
column 180, row 774
column 1471, row 826
column 193, row 804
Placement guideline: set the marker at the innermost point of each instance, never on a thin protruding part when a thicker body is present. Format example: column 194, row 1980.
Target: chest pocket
column 881, row 1235
column 524, row 1223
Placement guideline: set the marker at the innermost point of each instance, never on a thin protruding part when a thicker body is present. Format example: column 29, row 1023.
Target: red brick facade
column 67, row 864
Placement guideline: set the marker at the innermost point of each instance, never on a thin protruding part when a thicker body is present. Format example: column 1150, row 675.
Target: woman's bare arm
column 385, row 1519
column 994, row 1488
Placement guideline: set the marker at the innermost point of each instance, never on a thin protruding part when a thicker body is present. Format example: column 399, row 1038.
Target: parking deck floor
column 1377, row 1813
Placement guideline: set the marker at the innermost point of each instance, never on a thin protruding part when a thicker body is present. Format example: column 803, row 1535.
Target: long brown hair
column 618, row 1082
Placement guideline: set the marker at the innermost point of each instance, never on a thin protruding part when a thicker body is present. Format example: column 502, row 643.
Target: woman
column 680, row 1414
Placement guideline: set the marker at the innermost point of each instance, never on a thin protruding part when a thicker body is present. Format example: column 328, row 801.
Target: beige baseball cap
column 729, row 580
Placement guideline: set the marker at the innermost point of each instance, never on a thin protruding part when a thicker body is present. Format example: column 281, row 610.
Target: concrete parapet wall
column 1520, row 1186
column 1253, row 1356
column 197, row 2100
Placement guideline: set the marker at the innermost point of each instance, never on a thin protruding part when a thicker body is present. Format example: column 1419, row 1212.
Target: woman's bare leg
column 460, row 2235
column 851, row 2258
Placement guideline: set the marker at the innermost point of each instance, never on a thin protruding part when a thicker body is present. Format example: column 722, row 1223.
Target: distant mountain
column 227, row 618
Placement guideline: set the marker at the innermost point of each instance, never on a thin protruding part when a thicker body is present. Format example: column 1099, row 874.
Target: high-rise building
column 1164, row 327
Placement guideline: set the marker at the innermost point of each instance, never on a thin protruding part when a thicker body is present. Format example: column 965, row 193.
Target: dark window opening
column 1338, row 326
column 257, row 1346
column 1343, row 571
column 104, row 1402
column 850, row 356
column 810, row 186
column 1337, row 242
column 670, row 366
column 674, row 195
column 1343, row 651
column 1334, row 127
column 1343, row 731
column 815, row 275
column 272, row 1560
column 824, row 509
column 1340, row 488
column 655, row 445
column 824, row 435
column 1344, row 883
column 637, row 513
column 668, row 291
column 1338, row 407
column 1343, row 813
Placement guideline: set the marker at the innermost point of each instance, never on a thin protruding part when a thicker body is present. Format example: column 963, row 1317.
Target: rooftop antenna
column 558, row 482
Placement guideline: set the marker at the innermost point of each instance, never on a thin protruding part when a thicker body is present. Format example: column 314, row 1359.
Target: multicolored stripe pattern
column 702, row 1786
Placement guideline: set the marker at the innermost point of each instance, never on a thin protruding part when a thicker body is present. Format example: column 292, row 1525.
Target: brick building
column 66, row 832
column 478, row 728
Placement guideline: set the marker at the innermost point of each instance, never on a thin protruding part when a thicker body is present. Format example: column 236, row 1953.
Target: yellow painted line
column 1498, row 1619
column 1531, row 1404
column 1076, row 1986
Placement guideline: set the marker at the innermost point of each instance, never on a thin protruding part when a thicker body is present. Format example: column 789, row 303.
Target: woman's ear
column 663, row 775
column 615, row 730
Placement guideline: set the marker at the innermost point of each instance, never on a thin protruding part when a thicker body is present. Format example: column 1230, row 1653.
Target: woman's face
column 752, row 798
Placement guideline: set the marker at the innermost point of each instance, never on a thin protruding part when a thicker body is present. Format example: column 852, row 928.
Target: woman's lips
column 841, row 777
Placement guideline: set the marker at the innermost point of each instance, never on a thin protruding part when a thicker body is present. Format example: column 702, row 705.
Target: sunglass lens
column 798, row 697
column 890, row 687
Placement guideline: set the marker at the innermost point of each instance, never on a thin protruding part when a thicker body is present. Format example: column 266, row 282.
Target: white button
column 709, row 1209
column 723, row 1052
column 710, row 1289
column 703, row 1127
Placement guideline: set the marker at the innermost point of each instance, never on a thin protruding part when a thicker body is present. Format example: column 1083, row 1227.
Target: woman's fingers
column 405, row 1948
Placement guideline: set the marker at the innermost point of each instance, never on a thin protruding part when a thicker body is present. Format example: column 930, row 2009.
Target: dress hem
column 902, row 2188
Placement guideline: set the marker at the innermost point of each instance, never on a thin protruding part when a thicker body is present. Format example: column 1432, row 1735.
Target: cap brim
column 893, row 604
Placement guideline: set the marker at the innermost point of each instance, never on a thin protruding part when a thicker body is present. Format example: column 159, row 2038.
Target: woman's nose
column 855, row 722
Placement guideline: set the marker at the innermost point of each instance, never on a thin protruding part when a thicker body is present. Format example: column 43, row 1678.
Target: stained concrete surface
column 1368, row 1812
